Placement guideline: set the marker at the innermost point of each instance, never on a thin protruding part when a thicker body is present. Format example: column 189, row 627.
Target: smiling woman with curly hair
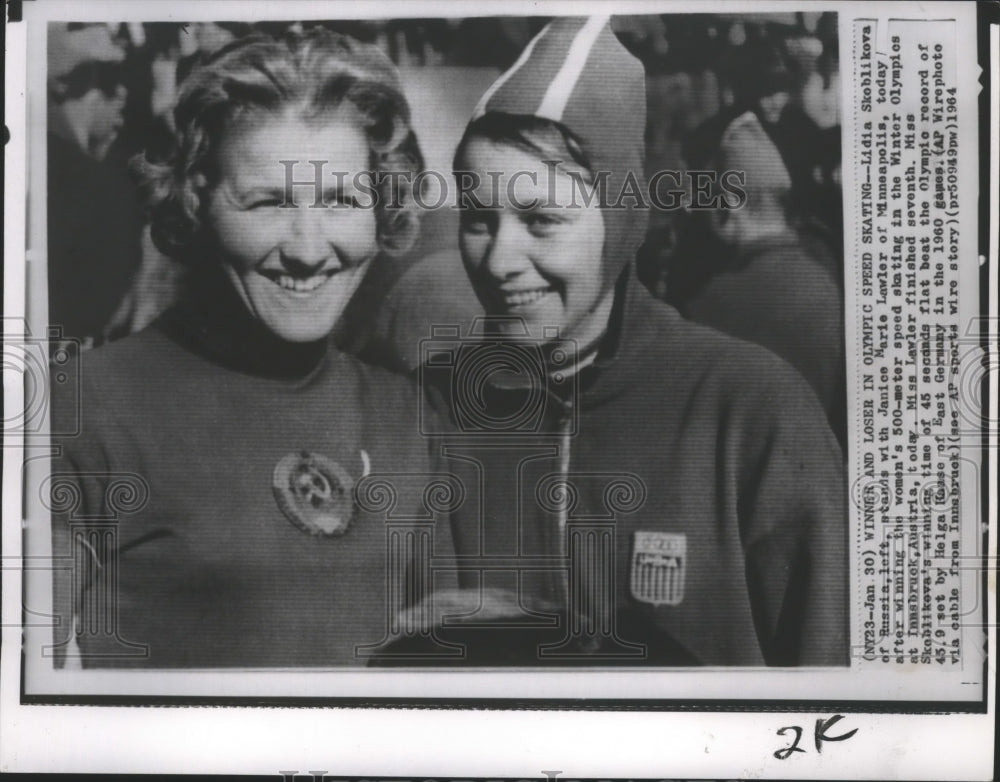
column 232, row 414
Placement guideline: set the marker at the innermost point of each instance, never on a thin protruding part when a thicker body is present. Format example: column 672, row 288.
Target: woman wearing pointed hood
column 678, row 488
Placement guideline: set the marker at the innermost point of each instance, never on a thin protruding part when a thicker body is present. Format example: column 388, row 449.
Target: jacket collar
column 626, row 347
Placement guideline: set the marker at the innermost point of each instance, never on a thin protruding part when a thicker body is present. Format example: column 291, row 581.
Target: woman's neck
column 212, row 320
column 599, row 342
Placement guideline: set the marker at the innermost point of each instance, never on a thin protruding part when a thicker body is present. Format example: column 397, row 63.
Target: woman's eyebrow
column 257, row 192
column 339, row 190
column 549, row 208
column 298, row 195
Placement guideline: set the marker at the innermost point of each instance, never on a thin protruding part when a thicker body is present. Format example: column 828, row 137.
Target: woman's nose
column 506, row 255
column 307, row 244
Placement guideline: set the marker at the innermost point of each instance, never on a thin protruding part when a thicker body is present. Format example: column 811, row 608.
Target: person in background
column 757, row 78
column 152, row 65
column 774, row 283
column 94, row 220
column 727, row 539
column 807, row 134
column 786, row 76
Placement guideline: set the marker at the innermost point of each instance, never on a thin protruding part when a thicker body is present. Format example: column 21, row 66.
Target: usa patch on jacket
column 658, row 566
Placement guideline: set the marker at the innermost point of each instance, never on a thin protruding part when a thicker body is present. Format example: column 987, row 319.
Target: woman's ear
column 199, row 195
column 726, row 224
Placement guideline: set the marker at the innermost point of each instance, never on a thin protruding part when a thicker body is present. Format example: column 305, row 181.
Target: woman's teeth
column 301, row 285
column 523, row 298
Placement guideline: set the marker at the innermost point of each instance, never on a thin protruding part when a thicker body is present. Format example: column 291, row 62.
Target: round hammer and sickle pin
column 314, row 492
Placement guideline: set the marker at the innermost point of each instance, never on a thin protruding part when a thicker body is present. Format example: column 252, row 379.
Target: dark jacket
column 704, row 467
column 783, row 293
column 93, row 240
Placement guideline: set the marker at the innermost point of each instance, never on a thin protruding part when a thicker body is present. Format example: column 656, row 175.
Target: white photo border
column 268, row 722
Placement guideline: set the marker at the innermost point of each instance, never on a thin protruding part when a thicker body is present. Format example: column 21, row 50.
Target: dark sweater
column 201, row 410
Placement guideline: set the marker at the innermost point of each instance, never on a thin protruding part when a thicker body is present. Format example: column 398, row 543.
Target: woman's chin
column 541, row 323
column 298, row 329
column 301, row 317
column 541, row 329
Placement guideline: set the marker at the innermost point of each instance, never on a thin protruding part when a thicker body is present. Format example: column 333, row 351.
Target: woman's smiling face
column 531, row 247
column 295, row 267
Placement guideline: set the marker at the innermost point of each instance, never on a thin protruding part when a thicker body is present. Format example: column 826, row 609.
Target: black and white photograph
column 417, row 355
column 248, row 425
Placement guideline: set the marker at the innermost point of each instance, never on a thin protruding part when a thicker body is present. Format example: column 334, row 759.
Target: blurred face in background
column 771, row 106
column 531, row 248
column 821, row 99
column 86, row 83
column 106, row 106
column 93, row 98
column 294, row 267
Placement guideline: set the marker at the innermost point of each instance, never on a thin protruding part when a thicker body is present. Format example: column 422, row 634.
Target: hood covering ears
column 575, row 72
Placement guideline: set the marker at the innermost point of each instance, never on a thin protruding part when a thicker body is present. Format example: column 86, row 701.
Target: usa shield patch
column 658, row 565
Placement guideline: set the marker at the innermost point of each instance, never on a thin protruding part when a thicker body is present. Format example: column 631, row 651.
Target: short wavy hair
column 313, row 72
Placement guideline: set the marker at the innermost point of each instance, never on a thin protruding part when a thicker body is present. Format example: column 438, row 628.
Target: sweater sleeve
column 793, row 519
column 76, row 491
column 431, row 487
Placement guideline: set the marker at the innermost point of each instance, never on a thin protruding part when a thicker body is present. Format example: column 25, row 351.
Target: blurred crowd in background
column 757, row 93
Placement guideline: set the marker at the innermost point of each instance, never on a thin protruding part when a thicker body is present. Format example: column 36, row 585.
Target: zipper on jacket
column 563, row 547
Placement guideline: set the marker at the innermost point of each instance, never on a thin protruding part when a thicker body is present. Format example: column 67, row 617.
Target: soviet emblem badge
column 314, row 492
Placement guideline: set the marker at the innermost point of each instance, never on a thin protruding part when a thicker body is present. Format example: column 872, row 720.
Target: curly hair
column 314, row 72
